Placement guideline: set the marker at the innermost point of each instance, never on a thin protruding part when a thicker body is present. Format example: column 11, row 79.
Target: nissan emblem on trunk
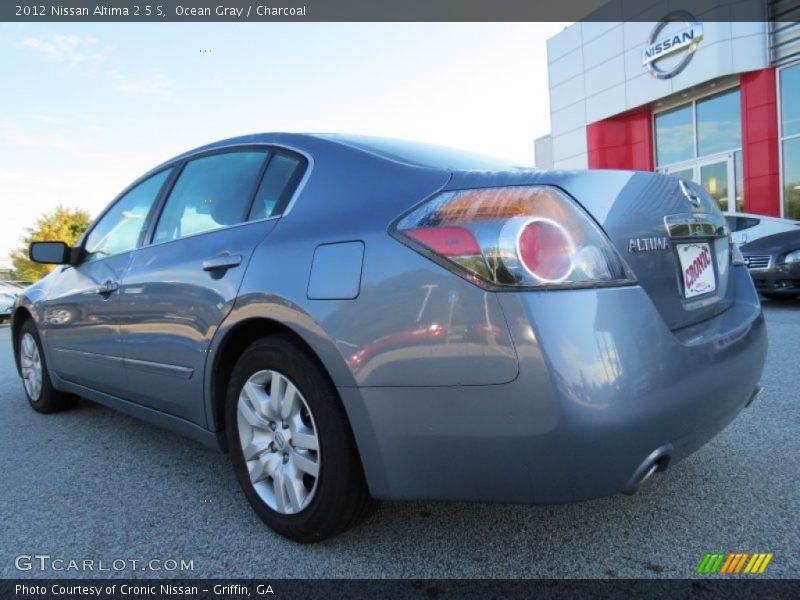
column 690, row 194
column 669, row 49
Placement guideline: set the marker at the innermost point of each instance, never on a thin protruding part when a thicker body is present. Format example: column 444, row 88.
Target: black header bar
column 377, row 10
column 389, row 589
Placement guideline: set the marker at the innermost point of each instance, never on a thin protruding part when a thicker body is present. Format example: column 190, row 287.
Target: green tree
column 63, row 224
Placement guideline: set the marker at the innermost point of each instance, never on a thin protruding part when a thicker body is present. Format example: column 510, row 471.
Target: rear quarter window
column 281, row 177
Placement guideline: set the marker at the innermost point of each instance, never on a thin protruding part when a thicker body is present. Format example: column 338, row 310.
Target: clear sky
column 87, row 108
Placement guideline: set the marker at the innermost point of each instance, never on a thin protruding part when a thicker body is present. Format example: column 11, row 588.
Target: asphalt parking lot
column 95, row 484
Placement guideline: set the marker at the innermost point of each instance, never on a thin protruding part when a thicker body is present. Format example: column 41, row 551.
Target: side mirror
column 50, row 253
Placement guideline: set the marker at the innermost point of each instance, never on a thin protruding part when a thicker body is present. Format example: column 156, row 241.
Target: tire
column 284, row 491
column 41, row 394
column 778, row 297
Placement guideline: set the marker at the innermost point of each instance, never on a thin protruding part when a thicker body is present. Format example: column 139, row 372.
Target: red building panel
column 622, row 142
column 626, row 142
column 760, row 142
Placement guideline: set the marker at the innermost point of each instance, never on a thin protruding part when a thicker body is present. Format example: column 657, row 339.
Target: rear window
column 424, row 155
column 748, row 222
column 740, row 223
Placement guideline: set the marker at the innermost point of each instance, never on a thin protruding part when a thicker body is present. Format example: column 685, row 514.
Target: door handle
column 107, row 288
column 222, row 262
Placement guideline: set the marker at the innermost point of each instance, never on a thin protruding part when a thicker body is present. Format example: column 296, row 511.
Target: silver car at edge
column 360, row 318
column 6, row 304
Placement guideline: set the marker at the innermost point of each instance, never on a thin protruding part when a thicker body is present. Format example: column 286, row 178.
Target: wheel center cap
column 280, row 441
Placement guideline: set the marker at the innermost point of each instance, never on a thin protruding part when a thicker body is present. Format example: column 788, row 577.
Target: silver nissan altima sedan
column 360, row 318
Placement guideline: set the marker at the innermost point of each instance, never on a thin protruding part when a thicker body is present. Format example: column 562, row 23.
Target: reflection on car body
column 6, row 305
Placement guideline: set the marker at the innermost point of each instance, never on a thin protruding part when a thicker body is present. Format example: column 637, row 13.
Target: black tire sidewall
column 340, row 471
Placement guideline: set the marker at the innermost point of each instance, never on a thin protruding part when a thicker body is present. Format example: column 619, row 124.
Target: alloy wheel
column 31, row 364
column 279, row 442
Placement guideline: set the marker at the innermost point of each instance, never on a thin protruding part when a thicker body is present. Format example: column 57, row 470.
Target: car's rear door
column 181, row 285
column 80, row 312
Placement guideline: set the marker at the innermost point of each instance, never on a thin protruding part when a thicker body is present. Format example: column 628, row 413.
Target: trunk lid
column 670, row 233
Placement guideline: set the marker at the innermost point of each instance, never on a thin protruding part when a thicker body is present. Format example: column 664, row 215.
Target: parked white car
column 6, row 304
column 8, row 287
column 747, row 227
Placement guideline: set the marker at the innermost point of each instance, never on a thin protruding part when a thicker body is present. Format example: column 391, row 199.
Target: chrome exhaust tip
column 639, row 482
column 756, row 393
column 657, row 461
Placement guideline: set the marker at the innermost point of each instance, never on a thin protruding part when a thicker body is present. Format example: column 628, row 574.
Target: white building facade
column 714, row 101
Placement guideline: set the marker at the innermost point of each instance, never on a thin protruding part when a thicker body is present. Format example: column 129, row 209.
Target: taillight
column 546, row 250
column 533, row 236
column 447, row 241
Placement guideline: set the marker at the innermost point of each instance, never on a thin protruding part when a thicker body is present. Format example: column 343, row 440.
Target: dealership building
column 717, row 102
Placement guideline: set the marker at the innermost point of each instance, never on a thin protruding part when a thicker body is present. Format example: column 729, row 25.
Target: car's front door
column 179, row 288
column 80, row 320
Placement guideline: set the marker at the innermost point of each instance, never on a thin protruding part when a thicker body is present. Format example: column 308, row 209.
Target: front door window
column 119, row 228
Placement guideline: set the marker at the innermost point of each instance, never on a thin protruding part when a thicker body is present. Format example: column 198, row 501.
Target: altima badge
column 648, row 244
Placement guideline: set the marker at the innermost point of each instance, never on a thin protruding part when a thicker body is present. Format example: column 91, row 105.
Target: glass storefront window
column 738, row 168
column 683, row 174
column 791, row 178
column 719, row 123
column 704, row 138
column 790, row 142
column 674, row 136
column 714, row 177
column 790, row 107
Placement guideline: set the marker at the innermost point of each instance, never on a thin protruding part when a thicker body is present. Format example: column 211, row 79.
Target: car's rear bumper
column 604, row 387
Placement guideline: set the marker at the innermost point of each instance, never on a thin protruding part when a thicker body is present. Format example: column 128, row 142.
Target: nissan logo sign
column 676, row 43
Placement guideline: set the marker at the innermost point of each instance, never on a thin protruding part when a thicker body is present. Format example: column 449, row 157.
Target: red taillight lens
column 532, row 236
column 546, row 250
column 447, row 241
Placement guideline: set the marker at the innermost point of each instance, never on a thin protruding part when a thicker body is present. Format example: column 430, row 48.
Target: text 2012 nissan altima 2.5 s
column 358, row 318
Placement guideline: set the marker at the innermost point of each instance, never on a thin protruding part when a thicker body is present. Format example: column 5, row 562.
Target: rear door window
column 211, row 192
